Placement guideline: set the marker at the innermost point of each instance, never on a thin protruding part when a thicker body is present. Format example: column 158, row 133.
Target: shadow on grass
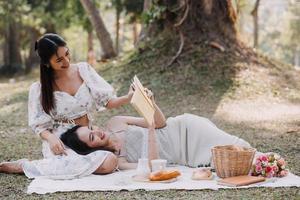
column 200, row 71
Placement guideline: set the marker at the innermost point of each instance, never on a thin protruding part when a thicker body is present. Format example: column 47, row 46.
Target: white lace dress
column 94, row 93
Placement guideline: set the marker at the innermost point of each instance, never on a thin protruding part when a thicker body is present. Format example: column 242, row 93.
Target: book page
column 142, row 103
column 138, row 85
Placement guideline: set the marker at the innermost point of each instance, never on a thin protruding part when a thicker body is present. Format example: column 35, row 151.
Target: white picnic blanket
column 123, row 181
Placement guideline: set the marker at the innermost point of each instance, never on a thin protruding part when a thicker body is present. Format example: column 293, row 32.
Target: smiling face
column 93, row 138
column 60, row 60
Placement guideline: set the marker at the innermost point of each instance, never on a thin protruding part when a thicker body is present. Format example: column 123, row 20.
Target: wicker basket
column 230, row 160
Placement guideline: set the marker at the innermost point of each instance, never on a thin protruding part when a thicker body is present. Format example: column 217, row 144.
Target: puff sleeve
column 38, row 119
column 100, row 90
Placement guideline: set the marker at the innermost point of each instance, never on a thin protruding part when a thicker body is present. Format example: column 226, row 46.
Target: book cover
column 141, row 102
column 240, row 180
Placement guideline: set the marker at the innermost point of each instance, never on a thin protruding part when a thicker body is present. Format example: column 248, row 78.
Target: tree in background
column 80, row 17
column 119, row 8
column 10, row 27
column 195, row 22
column 280, row 30
column 254, row 13
column 41, row 17
column 294, row 25
column 133, row 11
column 101, row 31
column 48, row 16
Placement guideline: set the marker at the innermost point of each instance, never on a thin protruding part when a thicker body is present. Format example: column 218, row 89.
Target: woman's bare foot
column 14, row 167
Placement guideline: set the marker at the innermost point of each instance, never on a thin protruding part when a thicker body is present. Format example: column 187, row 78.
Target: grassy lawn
column 258, row 103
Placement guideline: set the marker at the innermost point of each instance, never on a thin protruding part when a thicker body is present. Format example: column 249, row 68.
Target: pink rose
column 258, row 168
column 283, row 173
column 281, row 162
column 275, row 168
column 258, row 162
column 263, row 158
column 269, row 169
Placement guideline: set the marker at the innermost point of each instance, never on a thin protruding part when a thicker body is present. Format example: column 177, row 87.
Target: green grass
column 247, row 99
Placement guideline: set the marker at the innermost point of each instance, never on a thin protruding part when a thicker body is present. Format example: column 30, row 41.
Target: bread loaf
column 164, row 175
column 202, row 174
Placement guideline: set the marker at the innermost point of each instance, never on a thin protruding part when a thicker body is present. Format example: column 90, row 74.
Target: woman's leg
column 14, row 167
column 108, row 166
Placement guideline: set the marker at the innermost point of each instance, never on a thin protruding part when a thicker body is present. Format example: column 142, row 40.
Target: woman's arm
column 123, row 164
column 56, row 145
column 159, row 118
column 152, row 145
column 119, row 101
column 108, row 165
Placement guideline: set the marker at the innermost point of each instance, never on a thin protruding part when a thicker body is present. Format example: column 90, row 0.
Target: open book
column 141, row 102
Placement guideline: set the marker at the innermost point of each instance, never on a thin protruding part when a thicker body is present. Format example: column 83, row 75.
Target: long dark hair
column 71, row 139
column 46, row 47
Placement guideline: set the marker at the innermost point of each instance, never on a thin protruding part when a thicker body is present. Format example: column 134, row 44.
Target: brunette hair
column 46, row 47
column 71, row 139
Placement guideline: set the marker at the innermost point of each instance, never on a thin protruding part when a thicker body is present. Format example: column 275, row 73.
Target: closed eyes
column 91, row 137
column 60, row 59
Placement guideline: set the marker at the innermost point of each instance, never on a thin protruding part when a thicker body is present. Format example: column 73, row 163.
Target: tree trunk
column 144, row 31
column 240, row 16
column 90, row 41
column 101, row 31
column 50, row 28
column 91, row 54
column 214, row 19
column 32, row 59
column 12, row 53
column 254, row 13
column 117, row 29
column 191, row 23
column 135, row 32
column 297, row 58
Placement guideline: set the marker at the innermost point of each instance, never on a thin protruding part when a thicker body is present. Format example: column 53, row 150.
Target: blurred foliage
column 155, row 13
column 132, row 9
column 279, row 21
column 279, row 27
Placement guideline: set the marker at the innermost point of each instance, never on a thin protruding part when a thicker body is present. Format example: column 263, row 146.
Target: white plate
column 144, row 179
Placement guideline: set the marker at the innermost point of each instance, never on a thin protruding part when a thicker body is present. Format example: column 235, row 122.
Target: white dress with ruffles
column 94, row 93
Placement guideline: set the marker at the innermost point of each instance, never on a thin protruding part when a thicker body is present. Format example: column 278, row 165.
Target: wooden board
column 240, row 180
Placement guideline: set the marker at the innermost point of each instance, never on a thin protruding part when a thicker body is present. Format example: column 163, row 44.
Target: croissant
column 164, row 175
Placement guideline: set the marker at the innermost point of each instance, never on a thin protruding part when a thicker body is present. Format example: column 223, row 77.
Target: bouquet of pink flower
column 269, row 165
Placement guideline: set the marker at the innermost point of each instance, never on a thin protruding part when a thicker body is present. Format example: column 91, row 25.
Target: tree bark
column 144, row 31
column 240, row 16
column 117, row 29
column 254, row 13
column 32, row 59
column 297, row 58
column 135, row 32
column 101, row 31
column 12, row 53
column 91, row 54
column 214, row 19
column 192, row 22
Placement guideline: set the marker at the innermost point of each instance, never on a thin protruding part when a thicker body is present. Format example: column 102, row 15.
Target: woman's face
column 93, row 138
column 61, row 60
